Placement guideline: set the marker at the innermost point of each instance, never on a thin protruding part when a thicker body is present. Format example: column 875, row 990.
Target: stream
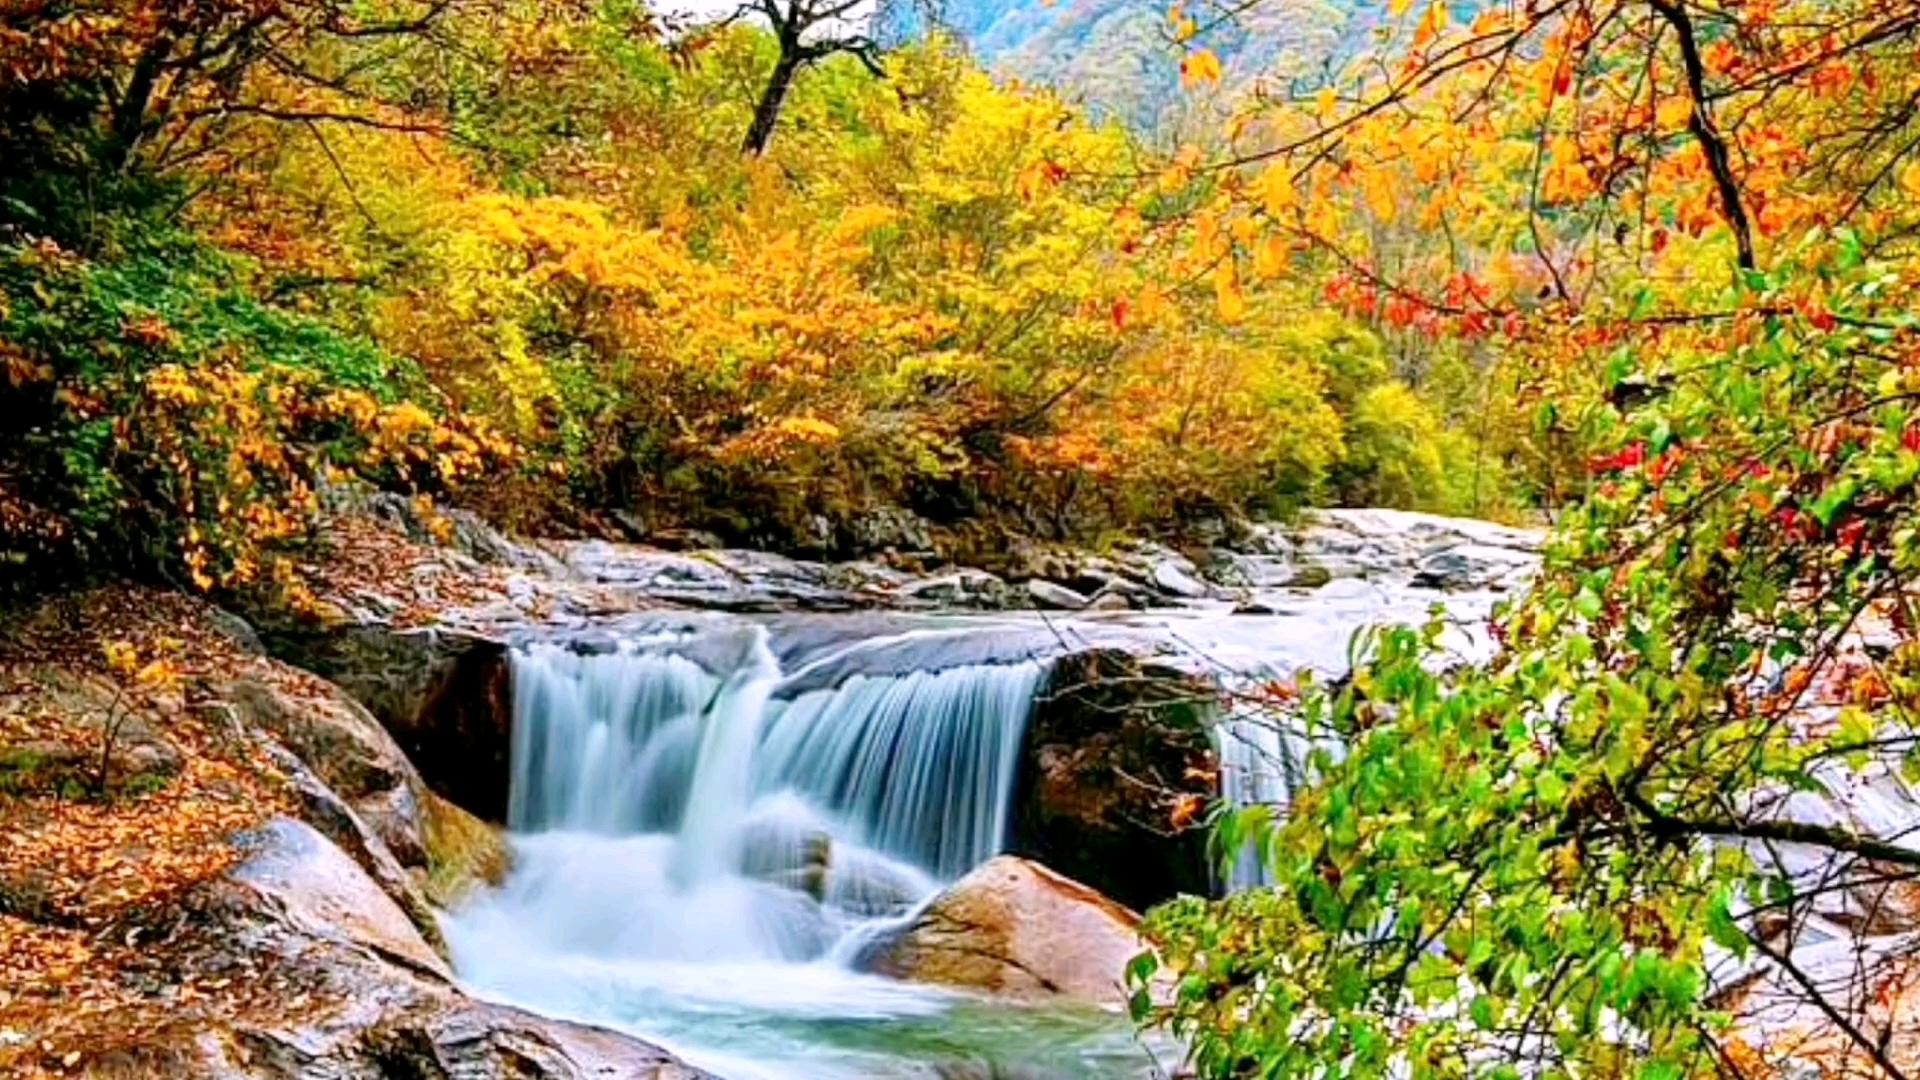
column 711, row 815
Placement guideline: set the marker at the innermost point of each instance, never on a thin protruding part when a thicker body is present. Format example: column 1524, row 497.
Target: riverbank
column 144, row 927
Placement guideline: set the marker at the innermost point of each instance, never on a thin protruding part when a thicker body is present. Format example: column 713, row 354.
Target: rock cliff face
column 1117, row 766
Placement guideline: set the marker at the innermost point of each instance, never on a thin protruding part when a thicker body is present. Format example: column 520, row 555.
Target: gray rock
column 1053, row 596
column 1308, row 577
column 340, row 987
column 1172, row 579
column 890, row 528
column 967, row 587
column 237, row 630
column 313, row 887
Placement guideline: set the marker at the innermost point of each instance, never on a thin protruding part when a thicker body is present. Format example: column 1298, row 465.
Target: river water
column 710, row 817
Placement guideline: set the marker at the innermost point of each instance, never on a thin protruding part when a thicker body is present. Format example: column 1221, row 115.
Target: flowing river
column 711, row 816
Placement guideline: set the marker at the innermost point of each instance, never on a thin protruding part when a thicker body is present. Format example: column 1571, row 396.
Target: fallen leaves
column 87, row 884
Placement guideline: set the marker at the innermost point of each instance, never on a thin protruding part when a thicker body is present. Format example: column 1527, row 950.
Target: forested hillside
column 517, row 243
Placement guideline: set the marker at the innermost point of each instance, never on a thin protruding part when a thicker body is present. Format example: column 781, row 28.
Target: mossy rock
column 463, row 853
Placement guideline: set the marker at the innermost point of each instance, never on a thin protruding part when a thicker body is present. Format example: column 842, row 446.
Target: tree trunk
column 129, row 121
column 775, row 96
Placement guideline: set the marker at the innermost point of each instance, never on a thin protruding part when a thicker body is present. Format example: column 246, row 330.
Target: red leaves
column 1664, row 465
column 1626, row 460
column 1796, row 527
column 1850, row 533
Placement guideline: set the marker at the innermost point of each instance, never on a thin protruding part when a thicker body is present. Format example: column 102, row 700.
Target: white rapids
column 697, row 854
column 704, row 834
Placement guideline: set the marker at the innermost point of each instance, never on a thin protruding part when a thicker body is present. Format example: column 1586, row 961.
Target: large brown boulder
column 1116, row 769
column 1016, row 928
column 336, row 737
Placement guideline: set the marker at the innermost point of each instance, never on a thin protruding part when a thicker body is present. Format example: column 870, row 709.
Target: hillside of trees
column 511, row 254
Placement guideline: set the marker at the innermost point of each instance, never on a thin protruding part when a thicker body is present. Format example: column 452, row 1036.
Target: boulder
column 1174, row 580
column 327, row 813
column 962, row 588
column 443, row 695
column 308, row 884
column 1051, row 596
column 1015, row 927
column 463, row 853
column 347, row 749
column 1117, row 761
column 338, row 986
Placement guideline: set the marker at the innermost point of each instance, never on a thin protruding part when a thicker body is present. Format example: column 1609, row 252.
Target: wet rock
column 1172, row 579
column 443, row 695
column 963, row 588
column 463, row 853
column 1428, row 551
column 339, row 987
column 1307, row 577
column 1015, row 927
column 1054, row 597
column 311, row 886
column 330, row 816
column 1455, row 568
column 1116, row 760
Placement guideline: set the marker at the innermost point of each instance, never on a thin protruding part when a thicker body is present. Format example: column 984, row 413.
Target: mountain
column 1118, row 57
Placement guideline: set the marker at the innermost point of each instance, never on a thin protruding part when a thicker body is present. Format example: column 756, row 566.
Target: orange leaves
column 150, row 332
column 1037, row 178
column 1187, row 810
column 1565, row 178
column 1276, row 191
column 1200, row 68
column 1675, row 112
column 1431, row 25
column 1229, row 300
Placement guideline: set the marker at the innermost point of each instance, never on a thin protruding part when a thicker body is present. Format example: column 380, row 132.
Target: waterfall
column 1262, row 763
column 889, row 781
column 603, row 743
column 921, row 764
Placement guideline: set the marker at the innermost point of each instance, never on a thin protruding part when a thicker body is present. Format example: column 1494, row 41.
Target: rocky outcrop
column 339, row 986
column 1015, row 928
column 1116, row 767
column 347, row 749
column 357, row 786
column 442, row 695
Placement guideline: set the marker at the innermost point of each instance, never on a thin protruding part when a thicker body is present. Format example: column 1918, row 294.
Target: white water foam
column 697, row 857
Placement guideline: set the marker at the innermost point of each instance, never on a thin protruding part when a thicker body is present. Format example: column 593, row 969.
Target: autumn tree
column 1617, row 847
column 98, row 90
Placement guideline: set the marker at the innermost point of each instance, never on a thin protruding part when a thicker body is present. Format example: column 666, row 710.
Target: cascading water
column 700, row 841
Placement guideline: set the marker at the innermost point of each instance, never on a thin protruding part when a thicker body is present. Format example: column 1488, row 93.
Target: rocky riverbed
column 241, row 866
